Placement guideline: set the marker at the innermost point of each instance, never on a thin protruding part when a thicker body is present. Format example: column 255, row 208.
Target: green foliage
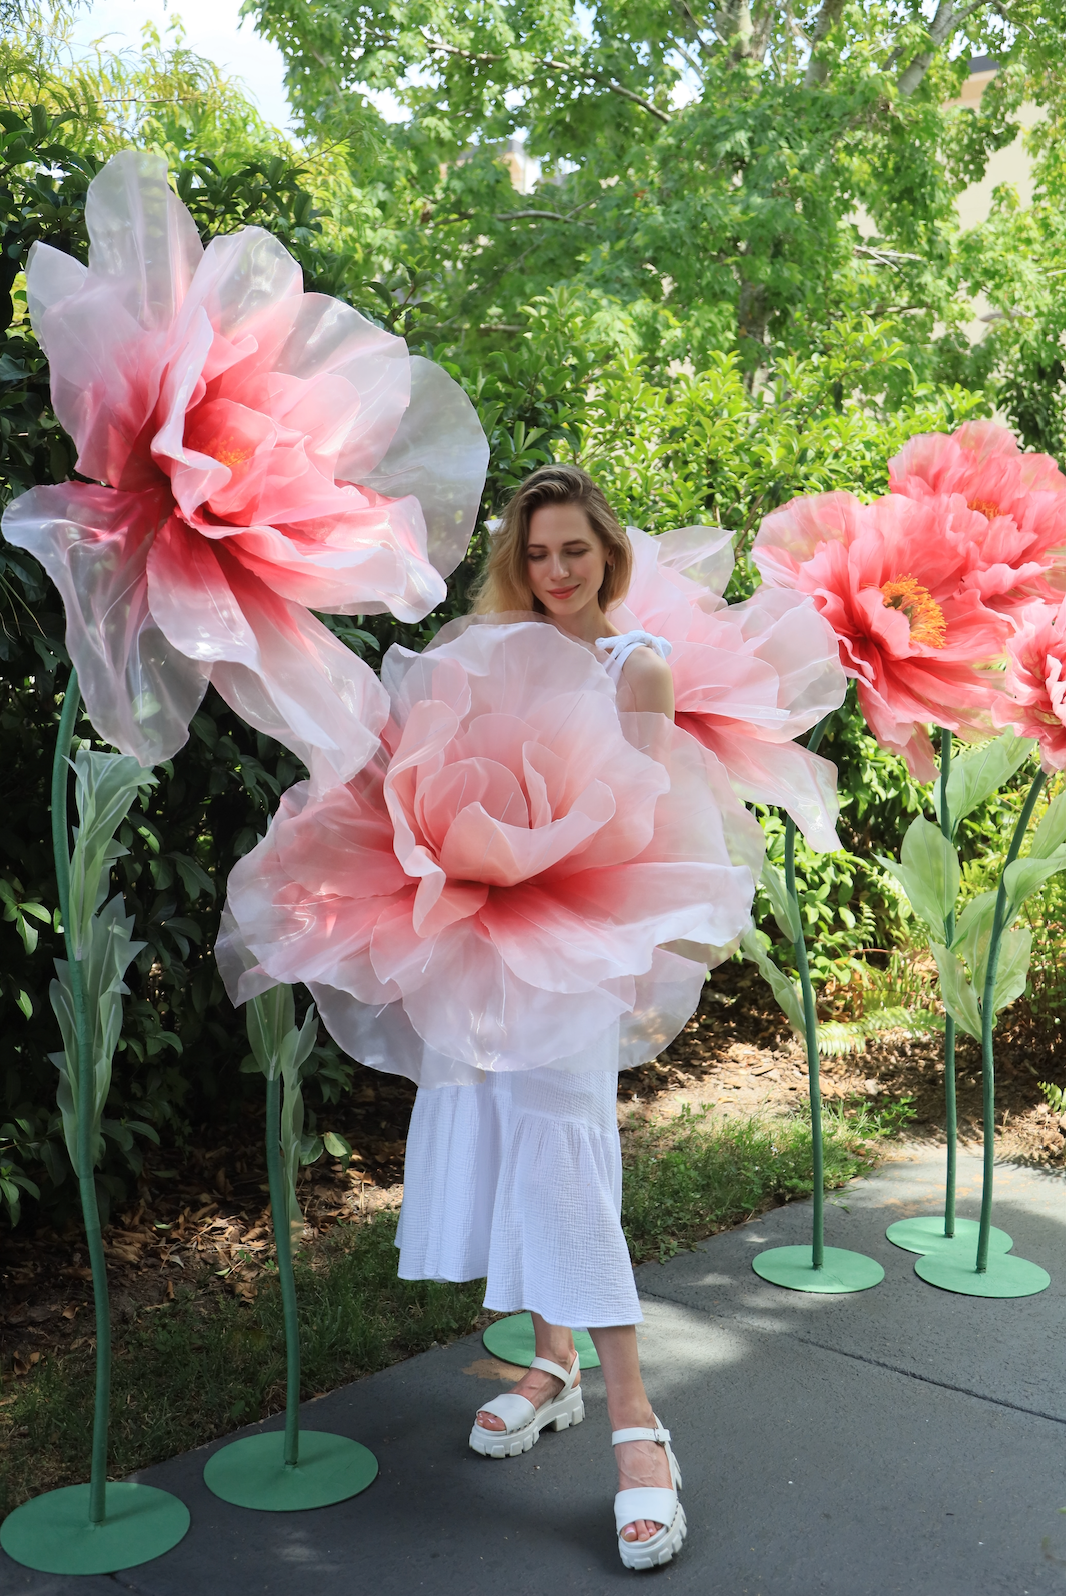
column 691, row 1176
column 190, row 1370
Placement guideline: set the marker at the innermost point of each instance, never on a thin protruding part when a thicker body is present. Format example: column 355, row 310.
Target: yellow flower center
column 231, row 451
column 984, row 507
column 924, row 614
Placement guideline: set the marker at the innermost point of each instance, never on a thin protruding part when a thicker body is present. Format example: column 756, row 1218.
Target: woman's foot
column 641, row 1463
column 536, row 1386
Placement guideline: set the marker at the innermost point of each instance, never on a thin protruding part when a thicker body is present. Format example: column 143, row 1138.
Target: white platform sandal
column 524, row 1422
column 652, row 1502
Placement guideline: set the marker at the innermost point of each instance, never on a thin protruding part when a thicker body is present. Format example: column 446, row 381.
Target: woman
column 519, row 1177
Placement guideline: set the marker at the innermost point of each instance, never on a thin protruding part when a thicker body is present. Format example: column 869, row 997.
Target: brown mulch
column 203, row 1218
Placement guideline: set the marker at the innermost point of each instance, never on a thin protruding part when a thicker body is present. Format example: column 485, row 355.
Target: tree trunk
column 817, row 68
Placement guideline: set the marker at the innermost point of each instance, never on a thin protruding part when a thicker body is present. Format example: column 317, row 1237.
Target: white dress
column 519, row 1179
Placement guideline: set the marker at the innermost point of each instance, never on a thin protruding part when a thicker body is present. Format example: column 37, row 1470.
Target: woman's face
column 565, row 559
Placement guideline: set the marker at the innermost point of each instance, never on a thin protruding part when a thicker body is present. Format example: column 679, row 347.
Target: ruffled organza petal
column 306, row 689
column 440, row 455
column 546, row 849
column 246, row 413
column 140, row 690
column 749, row 677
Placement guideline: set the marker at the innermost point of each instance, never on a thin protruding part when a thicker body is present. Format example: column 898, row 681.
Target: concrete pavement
column 899, row 1440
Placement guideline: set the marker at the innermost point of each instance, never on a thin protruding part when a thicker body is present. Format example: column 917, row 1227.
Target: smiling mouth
column 563, row 592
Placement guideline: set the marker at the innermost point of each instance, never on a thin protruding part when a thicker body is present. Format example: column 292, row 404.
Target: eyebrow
column 569, row 544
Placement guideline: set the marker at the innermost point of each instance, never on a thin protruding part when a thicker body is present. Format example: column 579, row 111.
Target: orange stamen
column 924, row 614
column 984, row 507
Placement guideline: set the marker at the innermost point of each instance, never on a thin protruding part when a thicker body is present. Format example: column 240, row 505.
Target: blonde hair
column 505, row 584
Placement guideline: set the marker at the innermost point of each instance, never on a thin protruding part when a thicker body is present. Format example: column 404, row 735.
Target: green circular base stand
column 841, row 1270
column 926, row 1235
column 1006, row 1276
column 512, row 1341
column 253, row 1472
column 53, row 1534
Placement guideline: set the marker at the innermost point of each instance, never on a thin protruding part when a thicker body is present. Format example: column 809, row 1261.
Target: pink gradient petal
column 249, row 412
column 547, row 848
column 749, row 677
column 140, row 691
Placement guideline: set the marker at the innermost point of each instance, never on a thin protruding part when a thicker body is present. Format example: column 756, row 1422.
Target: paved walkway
column 898, row 1440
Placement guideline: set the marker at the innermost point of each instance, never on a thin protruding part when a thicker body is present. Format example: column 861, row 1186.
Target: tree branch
column 552, row 65
column 945, row 22
column 817, row 68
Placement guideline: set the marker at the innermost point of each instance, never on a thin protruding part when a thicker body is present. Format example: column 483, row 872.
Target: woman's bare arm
column 650, row 682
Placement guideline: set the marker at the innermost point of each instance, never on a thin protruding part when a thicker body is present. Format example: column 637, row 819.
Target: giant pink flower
column 749, row 677
column 1035, row 700
column 255, row 453
column 891, row 580
column 1021, row 499
column 496, row 892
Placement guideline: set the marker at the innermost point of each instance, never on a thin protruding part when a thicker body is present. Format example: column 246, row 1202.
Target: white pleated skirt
column 519, row 1179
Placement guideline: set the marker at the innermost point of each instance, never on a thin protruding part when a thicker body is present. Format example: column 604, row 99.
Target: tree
column 705, row 165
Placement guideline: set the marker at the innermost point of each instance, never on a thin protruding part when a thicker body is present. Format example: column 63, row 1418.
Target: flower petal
column 140, row 690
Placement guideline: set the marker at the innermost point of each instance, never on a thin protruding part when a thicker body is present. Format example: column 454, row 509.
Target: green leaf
column 1024, row 876
column 979, row 772
column 786, row 912
column 336, row 1145
column 753, row 945
column 1050, row 834
column 928, row 872
column 973, row 933
column 1014, row 955
column 956, row 991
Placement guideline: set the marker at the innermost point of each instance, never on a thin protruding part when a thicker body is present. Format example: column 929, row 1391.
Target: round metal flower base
column 1006, row 1276
column 253, row 1473
column 512, row 1341
column 53, row 1533
column 926, row 1235
column 793, row 1267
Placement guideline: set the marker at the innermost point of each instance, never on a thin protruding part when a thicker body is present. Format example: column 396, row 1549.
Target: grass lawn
column 196, row 1367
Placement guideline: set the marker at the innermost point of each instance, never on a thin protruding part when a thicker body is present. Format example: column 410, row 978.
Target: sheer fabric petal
column 749, row 677
column 490, row 892
column 206, row 385
column 140, row 690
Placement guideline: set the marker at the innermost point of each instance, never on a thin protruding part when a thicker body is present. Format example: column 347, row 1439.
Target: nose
column 559, row 566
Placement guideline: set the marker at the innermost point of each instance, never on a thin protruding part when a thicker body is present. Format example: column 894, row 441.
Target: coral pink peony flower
column 261, row 451
column 1035, row 701
column 890, row 578
column 748, row 678
column 1021, row 498
column 495, row 893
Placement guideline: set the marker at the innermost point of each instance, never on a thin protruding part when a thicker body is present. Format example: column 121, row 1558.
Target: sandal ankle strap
column 566, row 1376
column 640, row 1434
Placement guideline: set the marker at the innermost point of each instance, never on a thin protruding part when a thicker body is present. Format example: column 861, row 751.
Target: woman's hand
column 650, row 681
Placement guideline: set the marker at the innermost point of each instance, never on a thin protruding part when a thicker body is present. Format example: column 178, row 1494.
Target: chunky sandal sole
column 662, row 1548
column 559, row 1415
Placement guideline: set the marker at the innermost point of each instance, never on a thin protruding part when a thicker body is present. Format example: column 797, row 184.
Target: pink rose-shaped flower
column 1035, row 700
column 495, row 893
column 255, row 453
column 1021, row 498
column 891, row 580
column 749, row 677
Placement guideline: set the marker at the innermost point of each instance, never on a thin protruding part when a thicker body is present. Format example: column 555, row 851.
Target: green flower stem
column 279, row 1209
column 86, row 1096
column 988, row 1022
column 951, row 1121
column 810, row 1025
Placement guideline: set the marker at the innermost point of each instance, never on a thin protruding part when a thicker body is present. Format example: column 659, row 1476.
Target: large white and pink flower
column 1018, row 547
column 254, row 453
column 493, row 891
column 1035, row 700
column 891, row 580
column 748, row 678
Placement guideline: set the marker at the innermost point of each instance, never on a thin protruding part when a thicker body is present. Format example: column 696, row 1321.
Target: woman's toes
column 489, row 1421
